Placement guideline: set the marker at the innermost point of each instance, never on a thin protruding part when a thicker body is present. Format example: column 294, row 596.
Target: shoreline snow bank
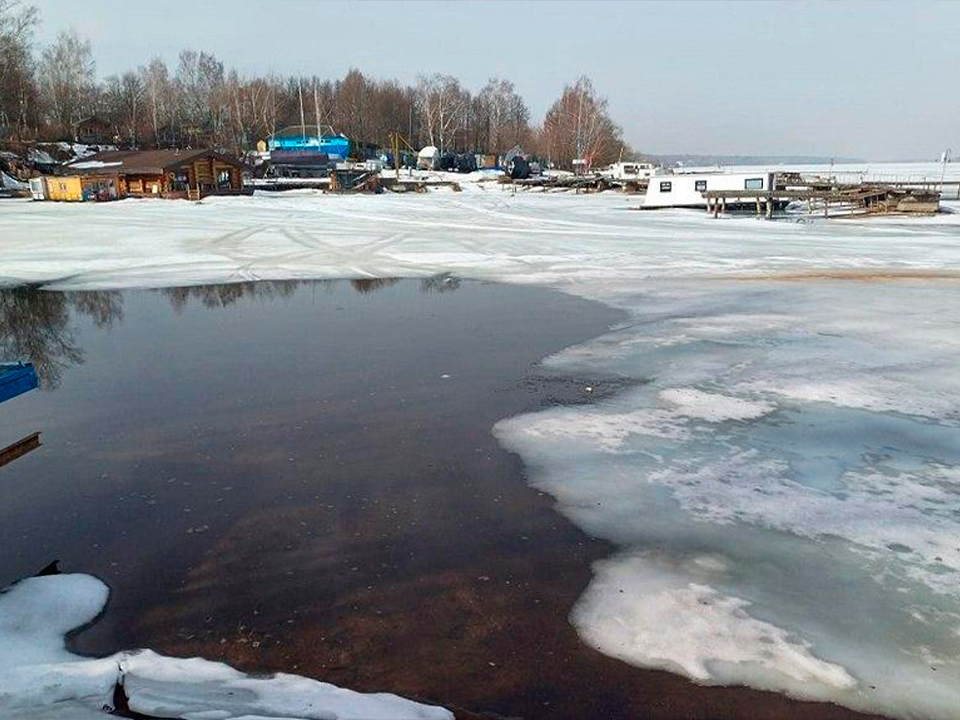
column 39, row 678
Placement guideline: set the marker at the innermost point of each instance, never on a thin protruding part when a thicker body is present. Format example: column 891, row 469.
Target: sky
column 870, row 80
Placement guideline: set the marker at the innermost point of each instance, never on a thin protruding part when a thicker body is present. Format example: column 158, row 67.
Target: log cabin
column 192, row 174
column 94, row 130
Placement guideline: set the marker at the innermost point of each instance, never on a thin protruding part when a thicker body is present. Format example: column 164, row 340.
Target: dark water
column 301, row 477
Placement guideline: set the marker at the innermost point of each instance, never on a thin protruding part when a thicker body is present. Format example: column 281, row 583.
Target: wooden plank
column 19, row 448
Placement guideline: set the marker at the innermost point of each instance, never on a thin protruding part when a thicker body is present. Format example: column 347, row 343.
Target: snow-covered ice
column 39, row 678
column 782, row 477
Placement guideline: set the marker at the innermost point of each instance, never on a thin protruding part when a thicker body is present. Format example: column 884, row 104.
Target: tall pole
column 396, row 153
column 303, row 127
column 944, row 159
column 316, row 107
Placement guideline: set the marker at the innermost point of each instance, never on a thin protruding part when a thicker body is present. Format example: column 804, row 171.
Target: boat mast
column 303, row 127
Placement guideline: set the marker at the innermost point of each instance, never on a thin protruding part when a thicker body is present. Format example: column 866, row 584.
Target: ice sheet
column 782, row 478
column 829, row 518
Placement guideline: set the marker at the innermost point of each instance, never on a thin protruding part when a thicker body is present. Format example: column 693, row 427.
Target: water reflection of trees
column 224, row 294
column 35, row 325
column 369, row 285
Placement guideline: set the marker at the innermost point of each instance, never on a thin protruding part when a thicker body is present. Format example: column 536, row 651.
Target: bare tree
column 502, row 115
column 68, row 71
column 17, row 22
column 352, row 104
column 202, row 103
column 160, row 99
column 441, row 103
column 126, row 104
column 203, row 108
column 577, row 126
column 18, row 90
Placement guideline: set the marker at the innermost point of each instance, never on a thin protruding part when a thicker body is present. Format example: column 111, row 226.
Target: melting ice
column 784, row 488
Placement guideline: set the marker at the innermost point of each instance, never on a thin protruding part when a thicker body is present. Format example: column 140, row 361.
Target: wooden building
column 94, row 130
column 189, row 174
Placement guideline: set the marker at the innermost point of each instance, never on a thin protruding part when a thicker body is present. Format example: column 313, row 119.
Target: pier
column 826, row 197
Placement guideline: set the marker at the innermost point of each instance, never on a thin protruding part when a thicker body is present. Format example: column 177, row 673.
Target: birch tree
column 68, row 72
column 200, row 86
column 160, row 99
column 441, row 103
column 503, row 115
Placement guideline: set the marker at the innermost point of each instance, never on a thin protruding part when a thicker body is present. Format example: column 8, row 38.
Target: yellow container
column 67, row 188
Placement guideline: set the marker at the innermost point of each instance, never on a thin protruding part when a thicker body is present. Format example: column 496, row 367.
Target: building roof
column 141, row 162
column 93, row 120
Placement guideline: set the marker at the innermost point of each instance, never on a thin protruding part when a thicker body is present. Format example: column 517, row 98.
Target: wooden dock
column 828, row 197
column 577, row 183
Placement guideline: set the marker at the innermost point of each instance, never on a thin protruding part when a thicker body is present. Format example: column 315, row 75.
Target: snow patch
column 648, row 613
column 39, row 678
column 93, row 164
column 606, row 431
column 713, row 407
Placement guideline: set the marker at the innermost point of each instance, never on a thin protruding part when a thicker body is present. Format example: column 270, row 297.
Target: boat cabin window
column 753, row 184
column 666, row 186
column 700, row 185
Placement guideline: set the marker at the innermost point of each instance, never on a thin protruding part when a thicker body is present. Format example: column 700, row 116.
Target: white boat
column 686, row 190
column 624, row 172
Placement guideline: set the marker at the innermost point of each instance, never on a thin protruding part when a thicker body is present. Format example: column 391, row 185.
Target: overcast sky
column 858, row 79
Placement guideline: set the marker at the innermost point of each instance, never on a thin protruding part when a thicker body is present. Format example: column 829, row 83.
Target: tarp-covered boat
column 321, row 139
column 16, row 379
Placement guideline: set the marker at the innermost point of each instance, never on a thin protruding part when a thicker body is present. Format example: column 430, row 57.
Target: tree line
column 46, row 92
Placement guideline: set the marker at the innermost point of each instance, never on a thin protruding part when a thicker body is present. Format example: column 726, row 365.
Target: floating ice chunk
column 714, row 407
column 649, row 613
column 40, row 679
